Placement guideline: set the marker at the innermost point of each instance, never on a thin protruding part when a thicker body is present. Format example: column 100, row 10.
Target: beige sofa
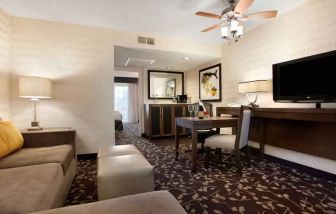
column 158, row 202
column 35, row 179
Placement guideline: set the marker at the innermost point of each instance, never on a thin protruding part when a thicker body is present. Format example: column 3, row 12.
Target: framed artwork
column 210, row 84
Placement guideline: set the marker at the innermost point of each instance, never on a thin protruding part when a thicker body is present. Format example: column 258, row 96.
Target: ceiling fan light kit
column 233, row 31
column 231, row 28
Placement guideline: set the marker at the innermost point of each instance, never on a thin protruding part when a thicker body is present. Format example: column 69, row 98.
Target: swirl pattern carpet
column 264, row 187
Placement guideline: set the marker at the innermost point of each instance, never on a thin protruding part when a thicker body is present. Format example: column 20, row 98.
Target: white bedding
column 117, row 115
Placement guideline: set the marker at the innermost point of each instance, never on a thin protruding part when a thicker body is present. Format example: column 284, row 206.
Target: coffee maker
column 182, row 98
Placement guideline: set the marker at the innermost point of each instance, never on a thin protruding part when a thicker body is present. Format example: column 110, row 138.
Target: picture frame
column 210, row 84
column 151, row 86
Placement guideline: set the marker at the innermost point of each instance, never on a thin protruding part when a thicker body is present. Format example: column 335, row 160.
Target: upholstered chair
column 231, row 144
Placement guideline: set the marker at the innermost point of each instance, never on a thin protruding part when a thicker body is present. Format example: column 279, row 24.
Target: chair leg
column 248, row 156
column 202, row 148
column 219, row 153
column 207, row 157
column 238, row 158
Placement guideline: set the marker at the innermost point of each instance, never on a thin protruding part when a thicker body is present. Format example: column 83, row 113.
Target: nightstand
column 49, row 137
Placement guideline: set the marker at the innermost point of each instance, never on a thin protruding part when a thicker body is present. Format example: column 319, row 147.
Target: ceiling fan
column 231, row 27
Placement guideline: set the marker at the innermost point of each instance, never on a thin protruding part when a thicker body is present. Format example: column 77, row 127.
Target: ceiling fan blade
column 243, row 5
column 209, row 15
column 263, row 15
column 212, row 27
column 228, row 9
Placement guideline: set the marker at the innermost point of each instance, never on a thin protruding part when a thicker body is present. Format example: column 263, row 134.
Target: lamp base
column 253, row 105
column 34, row 126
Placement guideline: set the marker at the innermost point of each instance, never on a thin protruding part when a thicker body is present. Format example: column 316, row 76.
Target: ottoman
column 110, row 151
column 124, row 175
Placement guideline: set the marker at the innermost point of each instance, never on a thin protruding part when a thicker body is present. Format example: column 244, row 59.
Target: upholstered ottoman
column 124, row 175
column 111, row 151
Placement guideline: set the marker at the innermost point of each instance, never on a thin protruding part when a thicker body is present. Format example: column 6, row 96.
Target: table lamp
column 34, row 88
column 252, row 89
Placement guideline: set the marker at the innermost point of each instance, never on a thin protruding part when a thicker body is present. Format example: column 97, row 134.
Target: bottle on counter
column 201, row 112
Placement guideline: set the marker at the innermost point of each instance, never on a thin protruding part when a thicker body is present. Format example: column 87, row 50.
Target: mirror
column 165, row 84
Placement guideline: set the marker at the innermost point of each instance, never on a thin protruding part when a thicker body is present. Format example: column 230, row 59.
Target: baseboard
column 315, row 172
column 87, row 156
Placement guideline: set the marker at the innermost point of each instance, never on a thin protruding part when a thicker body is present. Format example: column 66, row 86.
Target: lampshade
column 256, row 86
column 34, row 87
column 224, row 32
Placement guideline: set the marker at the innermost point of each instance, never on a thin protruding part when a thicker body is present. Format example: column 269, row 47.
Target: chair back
column 243, row 127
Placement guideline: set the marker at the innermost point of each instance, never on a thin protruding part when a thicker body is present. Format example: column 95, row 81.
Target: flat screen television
column 310, row 79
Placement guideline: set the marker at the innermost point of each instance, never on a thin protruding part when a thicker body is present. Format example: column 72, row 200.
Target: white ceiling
column 164, row 60
column 158, row 17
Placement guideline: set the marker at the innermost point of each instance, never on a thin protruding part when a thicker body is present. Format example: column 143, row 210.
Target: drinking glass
column 196, row 109
column 190, row 109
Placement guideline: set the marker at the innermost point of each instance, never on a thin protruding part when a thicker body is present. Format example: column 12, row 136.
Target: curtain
column 133, row 114
column 126, row 101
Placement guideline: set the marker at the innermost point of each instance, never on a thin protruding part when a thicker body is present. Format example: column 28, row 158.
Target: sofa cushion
column 62, row 154
column 10, row 138
column 159, row 202
column 30, row 188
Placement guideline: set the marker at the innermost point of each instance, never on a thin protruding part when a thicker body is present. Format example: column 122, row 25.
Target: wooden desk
column 310, row 131
column 196, row 124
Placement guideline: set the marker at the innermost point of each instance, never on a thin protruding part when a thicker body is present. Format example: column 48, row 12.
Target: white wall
column 192, row 80
column 80, row 60
column 4, row 65
column 301, row 32
column 128, row 74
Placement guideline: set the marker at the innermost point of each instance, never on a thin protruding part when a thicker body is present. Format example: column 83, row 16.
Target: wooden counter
column 310, row 131
column 160, row 119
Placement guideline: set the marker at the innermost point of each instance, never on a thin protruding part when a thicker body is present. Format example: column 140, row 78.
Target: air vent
column 150, row 41
column 142, row 40
column 137, row 62
column 146, row 40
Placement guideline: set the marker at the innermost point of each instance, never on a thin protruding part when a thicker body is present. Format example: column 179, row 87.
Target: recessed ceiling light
column 186, row 58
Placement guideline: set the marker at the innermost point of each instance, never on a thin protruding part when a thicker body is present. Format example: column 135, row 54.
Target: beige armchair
column 231, row 144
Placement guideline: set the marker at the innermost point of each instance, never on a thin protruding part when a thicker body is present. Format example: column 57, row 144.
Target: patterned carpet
column 264, row 187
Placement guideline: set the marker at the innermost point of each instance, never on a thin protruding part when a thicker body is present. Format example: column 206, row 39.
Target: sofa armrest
column 49, row 137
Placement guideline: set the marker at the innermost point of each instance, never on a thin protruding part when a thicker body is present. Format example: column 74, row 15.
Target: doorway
column 126, row 101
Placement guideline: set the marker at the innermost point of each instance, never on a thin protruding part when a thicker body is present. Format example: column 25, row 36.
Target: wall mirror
column 165, row 84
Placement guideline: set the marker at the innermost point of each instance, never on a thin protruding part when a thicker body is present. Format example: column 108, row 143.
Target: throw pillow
column 10, row 138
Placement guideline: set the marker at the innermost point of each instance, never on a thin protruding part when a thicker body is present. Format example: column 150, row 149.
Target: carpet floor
column 263, row 187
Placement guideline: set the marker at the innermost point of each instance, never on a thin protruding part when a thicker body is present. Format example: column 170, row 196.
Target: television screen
column 309, row 79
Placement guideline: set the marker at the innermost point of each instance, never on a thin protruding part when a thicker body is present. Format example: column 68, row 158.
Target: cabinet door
column 167, row 118
column 155, row 121
column 180, row 112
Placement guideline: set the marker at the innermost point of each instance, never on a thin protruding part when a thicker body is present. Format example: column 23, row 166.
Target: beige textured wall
column 80, row 60
column 4, row 64
column 192, row 80
column 301, row 32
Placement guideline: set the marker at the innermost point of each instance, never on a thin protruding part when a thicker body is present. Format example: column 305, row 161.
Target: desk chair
column 231, row 144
